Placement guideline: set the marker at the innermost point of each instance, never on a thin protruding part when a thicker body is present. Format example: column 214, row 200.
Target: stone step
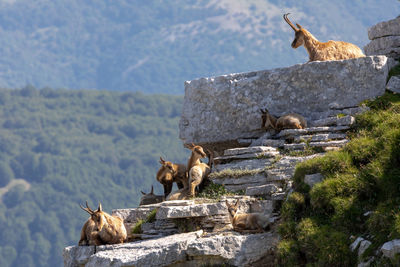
column 294, row 132
column 248, row 150
column 263, row 190
column 247, row 164
column 302, row 146
column 268, row 154
column 320, row 137
column 234, row 184
column 281, row 175
column 331, row 121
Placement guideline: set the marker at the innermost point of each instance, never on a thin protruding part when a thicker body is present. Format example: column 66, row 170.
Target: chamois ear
column 143, row 193
column 299, row 26
column 237, row 203
column 162, row 161
column 99, row 209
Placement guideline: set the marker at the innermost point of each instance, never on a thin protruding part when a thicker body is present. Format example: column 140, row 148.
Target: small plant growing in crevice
column 151, row 217
column 214, row 191
column 232, row 173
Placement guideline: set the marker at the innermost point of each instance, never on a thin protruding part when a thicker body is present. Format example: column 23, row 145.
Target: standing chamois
column 247, row 222
column 170, row 173
column 150, row 198
column 102, row 228
column 289, row 121
column 197, row 169
column 331, row 50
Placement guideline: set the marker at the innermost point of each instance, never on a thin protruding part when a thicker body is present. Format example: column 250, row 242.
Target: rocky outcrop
column 385, row 39
column 187, row 249
column 226, row 108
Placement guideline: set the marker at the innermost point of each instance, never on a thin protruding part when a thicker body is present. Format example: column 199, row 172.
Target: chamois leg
column 180, row 185
column 167, row 189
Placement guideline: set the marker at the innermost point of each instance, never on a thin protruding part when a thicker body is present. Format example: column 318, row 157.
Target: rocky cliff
column 253, row 166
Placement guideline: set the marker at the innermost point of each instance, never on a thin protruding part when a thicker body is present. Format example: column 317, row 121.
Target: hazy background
column 60, row 147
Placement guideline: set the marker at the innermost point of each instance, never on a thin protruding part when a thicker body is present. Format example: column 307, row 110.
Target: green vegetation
column 364, row 176
column 216, row 191
column 137, row 228
column 73, row 146
column 232, row 173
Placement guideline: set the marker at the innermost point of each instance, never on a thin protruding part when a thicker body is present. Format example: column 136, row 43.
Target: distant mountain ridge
column 154, row 46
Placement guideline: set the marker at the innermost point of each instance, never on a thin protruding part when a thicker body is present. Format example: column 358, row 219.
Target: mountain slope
column 153, row 46
column 60, row 148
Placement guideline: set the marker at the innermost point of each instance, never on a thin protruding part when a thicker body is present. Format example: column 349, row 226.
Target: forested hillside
column 154, row 46
column 59, row 148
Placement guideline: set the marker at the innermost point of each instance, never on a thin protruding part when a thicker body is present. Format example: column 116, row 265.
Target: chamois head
column 267, row 120
column 197, row 150
column 150, row 198
column 232, row 208
column 97, row 216
column 168, row 165
column 299, row 33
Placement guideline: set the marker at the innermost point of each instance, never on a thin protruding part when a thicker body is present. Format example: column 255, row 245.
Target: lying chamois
column 331, row 50
column 150, row 198
column 102, row 228
column 247, row 222
column 170, row 173
column 289, row 121
column 197, row 170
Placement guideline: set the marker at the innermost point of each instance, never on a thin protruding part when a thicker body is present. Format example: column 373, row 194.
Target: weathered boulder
column 394, row 84
column 385, row 28
column 391, row 248
column 226, row 108
column 312, row 179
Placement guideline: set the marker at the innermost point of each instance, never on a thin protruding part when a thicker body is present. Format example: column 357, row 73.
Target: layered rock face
column 385, row 39
column 227, row 108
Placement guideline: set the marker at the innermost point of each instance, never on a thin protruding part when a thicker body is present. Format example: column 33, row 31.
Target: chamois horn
column 285, row 17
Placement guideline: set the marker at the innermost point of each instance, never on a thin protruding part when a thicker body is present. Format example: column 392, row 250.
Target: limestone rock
column 248, row 150
column 385, row 28
column 389, row 46
column 311, row 130
column 241, row 183
column 226, row 108
column 195, row 210
column 262, row 190
column 251, row 164
column 312, row 179
column 394, row 84
column 391, row 248
column 320, row 137
column 75, row 256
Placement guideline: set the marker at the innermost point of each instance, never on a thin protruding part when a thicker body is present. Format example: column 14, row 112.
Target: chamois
column 288, row 121
column 102, row 228
column 247, row 222
column 331, row 50
column 170, row 173
column 150, row 198
column 197, row 170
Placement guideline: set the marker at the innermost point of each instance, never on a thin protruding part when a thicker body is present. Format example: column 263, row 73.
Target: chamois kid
column 247, row 222
column 197, row 169
column 319, row 51
column 288, row 121
column 170, row 173
column 150, row 198
column 102, row 228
